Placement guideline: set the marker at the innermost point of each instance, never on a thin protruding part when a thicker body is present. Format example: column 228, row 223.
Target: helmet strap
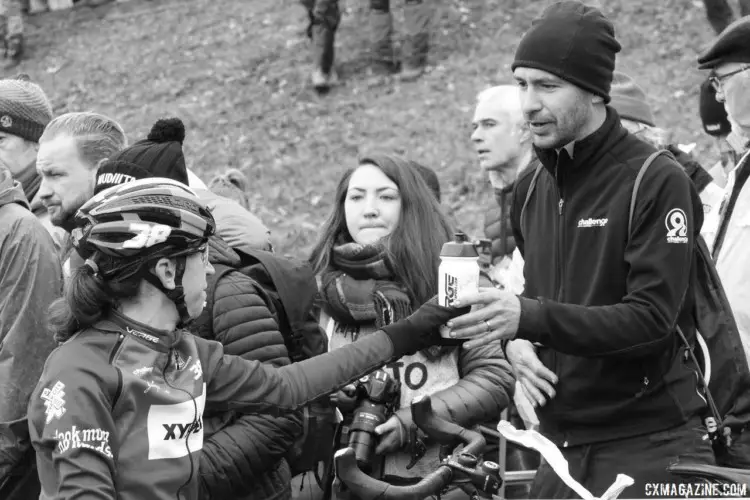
column 177, row 294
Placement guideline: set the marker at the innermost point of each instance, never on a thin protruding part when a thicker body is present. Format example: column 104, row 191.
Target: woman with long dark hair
column 376, row 261
column 118, row 411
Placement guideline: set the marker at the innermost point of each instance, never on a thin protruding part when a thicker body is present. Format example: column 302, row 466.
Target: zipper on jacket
column 560, row 242
column 116, row 347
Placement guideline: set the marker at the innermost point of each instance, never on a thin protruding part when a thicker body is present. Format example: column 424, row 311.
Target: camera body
column 378, row 396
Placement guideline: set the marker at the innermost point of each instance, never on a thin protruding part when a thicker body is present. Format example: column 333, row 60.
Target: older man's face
column 496, row 136
column 16, row 154
column 732, row 84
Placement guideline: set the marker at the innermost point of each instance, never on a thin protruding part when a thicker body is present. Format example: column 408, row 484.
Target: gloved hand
column 421, row 329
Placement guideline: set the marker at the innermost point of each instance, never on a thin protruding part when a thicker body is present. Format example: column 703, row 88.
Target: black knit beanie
column 713, row 114
column 161, row 152
column 574, row 42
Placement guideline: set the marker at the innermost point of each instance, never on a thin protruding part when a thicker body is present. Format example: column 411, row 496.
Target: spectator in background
column 24, row 112
column 720, row 14
column 30, row 279
column 503, row 144
column 324, row 20
column 725, row 231
column 716, row 124
column 416, row 40
column 631, row 103
column 71, row 148
column 11, row 27
column 365, row 284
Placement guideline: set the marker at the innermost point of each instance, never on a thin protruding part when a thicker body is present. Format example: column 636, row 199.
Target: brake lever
column 417, row 447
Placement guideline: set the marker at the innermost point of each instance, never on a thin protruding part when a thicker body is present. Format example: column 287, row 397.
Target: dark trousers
column 644, row 458
column 325, row 17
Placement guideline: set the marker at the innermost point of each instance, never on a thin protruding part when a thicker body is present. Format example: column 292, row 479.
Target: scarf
column 358, row 287
column 30, row 181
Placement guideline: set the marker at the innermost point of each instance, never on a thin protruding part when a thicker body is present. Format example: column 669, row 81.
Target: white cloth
column 194, row 181
column 554, row 457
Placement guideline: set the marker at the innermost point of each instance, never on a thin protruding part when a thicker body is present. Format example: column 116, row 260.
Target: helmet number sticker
column 147, row 235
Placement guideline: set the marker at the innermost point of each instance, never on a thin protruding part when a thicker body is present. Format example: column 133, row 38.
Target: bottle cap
column 459, row 247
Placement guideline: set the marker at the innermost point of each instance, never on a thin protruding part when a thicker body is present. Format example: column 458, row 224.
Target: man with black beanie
column 601, row 299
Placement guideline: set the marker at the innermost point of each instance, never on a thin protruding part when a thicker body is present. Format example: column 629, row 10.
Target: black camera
column 378, row 395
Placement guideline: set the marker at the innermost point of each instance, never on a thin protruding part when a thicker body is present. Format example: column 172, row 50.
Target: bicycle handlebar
column 464, row 465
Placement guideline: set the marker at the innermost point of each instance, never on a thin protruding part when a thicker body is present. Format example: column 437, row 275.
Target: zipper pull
column 560, row 206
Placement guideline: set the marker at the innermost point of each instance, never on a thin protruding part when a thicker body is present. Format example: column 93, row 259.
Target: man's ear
column 597, row 99
column 166, row 269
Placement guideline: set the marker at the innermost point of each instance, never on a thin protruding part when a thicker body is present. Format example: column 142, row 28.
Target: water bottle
column 459, row 269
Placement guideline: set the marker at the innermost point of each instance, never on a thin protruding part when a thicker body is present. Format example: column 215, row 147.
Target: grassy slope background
column 236, row 72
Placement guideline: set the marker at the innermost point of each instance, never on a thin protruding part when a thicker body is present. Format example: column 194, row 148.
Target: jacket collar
column 588, row 150
column 158, row 340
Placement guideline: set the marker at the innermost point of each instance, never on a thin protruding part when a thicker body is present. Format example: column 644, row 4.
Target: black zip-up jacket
column 603, row 306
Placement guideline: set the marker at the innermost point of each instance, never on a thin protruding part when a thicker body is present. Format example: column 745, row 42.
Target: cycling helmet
column 127, row 226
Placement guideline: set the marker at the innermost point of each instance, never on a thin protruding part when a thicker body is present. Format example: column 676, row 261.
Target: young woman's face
column 372, row 206
column 194, row 283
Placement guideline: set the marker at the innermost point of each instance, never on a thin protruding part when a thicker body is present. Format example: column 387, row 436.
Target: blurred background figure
column 416, row 41
column 11, row 28
column 720, row 13
column 324, row 20
column 716, row 124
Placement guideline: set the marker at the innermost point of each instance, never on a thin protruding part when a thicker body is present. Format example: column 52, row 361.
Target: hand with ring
column 496, row 318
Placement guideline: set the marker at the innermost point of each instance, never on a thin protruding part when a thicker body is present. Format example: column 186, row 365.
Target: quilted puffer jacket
column 242, row 455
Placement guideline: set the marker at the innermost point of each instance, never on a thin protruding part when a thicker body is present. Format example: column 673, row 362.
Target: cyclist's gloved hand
column 421, row 329
column 345, row 399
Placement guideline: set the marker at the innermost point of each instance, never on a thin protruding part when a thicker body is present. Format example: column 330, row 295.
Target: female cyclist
column 377, row 261
column 118, row 410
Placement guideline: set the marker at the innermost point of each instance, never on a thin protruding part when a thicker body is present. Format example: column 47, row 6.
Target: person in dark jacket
column 243, row 456
column 30, row 280
column 600, row 304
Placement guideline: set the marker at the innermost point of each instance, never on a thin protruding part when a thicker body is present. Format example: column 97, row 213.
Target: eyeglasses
column 717, row 80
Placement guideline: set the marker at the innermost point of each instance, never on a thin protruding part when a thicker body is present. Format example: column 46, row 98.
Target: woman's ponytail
column 87, row 299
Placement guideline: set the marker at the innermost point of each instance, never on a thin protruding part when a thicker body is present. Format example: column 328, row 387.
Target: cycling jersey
column 118, row 410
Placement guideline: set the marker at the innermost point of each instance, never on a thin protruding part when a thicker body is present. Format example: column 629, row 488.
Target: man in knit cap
column 24, row 112
column 600, row 301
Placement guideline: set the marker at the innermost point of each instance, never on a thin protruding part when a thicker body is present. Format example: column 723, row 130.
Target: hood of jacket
column 234, row 224
column 11, row 191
